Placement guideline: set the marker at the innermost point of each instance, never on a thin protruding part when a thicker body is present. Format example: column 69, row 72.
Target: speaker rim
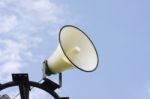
column 87, row 38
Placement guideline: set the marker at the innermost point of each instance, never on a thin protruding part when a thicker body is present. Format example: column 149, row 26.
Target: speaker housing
column 75, row 49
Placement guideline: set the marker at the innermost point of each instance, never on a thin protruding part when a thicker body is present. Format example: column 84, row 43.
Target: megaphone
column 75, row 50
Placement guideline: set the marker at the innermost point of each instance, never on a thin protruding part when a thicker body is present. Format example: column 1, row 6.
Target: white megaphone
column 75, row 50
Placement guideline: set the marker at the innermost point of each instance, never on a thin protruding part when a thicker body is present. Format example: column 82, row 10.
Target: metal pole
column 60, row 80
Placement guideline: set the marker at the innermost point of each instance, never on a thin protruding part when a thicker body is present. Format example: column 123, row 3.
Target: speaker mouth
column 61, row 45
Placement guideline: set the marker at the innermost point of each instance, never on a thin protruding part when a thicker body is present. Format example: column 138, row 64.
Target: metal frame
column 24, row 84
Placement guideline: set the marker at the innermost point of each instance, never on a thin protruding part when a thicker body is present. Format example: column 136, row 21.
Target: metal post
column 60, row 80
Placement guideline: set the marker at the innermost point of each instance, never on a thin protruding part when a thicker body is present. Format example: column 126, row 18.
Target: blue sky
column 118, row 28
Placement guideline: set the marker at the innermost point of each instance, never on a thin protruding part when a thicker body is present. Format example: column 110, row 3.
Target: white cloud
column 7, row 23
column 24, row 25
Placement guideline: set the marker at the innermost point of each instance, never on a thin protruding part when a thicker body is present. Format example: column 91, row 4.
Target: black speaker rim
column 88, row 39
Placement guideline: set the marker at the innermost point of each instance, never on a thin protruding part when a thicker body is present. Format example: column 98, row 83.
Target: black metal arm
column 24, row 84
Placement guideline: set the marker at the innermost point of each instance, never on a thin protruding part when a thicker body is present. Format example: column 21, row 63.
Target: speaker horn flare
column 75, row 49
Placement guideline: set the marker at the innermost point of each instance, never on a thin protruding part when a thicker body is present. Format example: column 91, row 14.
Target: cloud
column 23, row 26
column 7, row 23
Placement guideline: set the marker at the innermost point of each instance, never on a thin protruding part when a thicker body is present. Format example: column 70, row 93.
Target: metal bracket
column 23, row 77
column 24, row 89
column 46, row 72
column 22, row 81
column 50, row 85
